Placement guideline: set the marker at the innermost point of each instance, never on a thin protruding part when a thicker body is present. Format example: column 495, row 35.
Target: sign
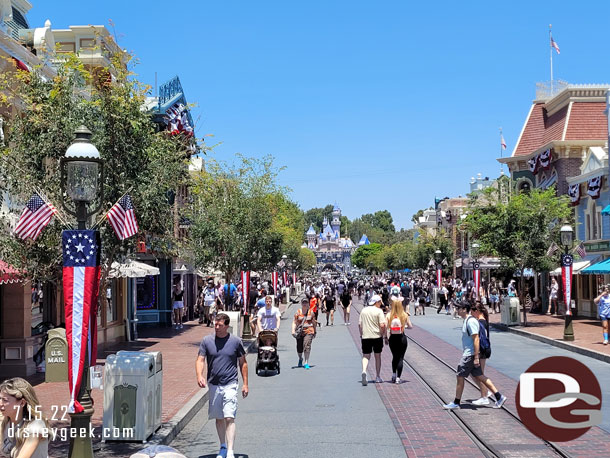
column 56, row 356
column 559, row 399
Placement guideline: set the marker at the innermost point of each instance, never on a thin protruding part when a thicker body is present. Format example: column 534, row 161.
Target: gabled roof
column 568, row 116
column 311, row 230
column 364, row 240
column 328, row 231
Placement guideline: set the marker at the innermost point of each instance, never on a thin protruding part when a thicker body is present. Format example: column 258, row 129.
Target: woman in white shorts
column 178, row 307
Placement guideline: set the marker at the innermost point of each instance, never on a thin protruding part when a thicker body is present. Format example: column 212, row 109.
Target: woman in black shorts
column 346, row 302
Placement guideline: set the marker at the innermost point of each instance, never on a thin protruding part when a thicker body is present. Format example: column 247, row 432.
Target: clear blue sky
column 374, row 105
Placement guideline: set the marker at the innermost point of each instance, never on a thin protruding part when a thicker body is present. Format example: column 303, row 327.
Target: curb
column 556, row 343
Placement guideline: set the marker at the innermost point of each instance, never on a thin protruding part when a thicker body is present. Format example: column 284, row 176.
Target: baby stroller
column 267, row 358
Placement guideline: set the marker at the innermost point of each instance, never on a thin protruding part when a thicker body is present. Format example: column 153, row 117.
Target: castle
column 332, row 251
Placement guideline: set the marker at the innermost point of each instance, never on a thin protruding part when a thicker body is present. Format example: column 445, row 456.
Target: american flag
column 552, row 249
column 554, row 45
column 35, row 217
column 122, row 218
column 580, row 249
column 502, row 141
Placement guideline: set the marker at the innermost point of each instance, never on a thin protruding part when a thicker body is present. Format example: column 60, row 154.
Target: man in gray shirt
column 216, row 365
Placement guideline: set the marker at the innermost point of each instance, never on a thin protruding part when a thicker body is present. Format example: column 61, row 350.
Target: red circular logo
column 559, row 399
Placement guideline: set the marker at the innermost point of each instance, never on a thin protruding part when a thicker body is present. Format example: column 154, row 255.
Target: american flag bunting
column 35, row 217
column 122, row 218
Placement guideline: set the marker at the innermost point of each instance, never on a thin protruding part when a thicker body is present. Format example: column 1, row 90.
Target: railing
column 168, row 90
column 548, row 89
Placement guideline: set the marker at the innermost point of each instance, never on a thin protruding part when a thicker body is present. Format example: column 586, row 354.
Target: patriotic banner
column 545, row 159
column 81, row 281
column 580, row 249
column 566, row 277
column 502, row 142
column 594, row 185
column 552, row 249
column 294, row 278
column 476, row 273
column 533, row 165
column 35, row 217
column 245, row 289
column 285, row 278
column 439, row 277
column 574, row 193
column 274, row 279
column 555, row 46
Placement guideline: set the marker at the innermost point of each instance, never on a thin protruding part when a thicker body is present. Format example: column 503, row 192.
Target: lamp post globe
column 567, row 236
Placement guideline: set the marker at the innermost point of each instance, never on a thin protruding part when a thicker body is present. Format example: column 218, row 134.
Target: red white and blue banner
column 566, row 277
column 439, row 277
column 294, row 278
column 285, row 277
column 245, row 289
column 81, row 281
column 274, row 278
column 476, row 274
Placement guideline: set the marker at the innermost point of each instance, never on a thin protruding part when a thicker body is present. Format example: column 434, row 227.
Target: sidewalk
column 547, row 328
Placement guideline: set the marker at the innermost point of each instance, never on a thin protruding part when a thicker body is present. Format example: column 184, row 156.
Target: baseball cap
column 376, row 298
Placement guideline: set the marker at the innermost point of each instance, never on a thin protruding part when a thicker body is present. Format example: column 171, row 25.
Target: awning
column 606, row 210
column 601, row 268
column 132, row 269
column 8, row 274
column 485, row 263
column 579, row 265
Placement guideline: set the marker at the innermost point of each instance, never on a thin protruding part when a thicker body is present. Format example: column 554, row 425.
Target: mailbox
column 56, row 356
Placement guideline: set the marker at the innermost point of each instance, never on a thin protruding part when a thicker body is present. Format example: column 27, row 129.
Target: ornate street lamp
column 82, row 177
column 245, row 284
column 567, row 239
column 476, row 268
column 438, row 256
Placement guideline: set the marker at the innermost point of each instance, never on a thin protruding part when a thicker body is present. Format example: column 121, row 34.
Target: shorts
column 493, row 298
column 372, row 345
column 178, row 305
column 304, row 343
column 604, row 316
column 223, row 401
column 467, row 367
column 330, row 307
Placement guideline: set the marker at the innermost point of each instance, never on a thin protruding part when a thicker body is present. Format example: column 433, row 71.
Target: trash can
column 235, row 324
column 129, row 391
column 158, row 383
column 510, row 311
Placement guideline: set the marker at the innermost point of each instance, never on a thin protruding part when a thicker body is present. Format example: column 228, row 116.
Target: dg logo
column 559, row 399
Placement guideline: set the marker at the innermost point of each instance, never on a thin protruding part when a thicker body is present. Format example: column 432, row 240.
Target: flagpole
column 57, row 213
column 551, row 54
column 501, row 150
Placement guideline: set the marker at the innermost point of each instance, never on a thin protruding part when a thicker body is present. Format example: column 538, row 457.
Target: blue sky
column 373, row 105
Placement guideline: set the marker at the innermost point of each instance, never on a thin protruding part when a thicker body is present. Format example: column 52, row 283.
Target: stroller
column 267, row 358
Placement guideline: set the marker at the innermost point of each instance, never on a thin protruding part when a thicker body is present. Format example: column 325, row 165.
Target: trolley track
column 477, row 422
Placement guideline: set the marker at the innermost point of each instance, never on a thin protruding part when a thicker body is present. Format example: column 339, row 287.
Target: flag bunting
column 34, row 218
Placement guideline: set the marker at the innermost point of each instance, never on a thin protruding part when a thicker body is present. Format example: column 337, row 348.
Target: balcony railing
column 548, row 89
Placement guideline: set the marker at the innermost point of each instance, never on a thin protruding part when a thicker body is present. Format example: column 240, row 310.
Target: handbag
column 299, row 329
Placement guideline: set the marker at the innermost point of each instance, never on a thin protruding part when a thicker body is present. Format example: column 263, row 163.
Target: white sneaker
column 393, row 378
column 397, row 380
column 230, row 454
column 481, row 402
column 451, row 406
column 605, row 342
column 378, row 380
column 364, row 381
column 500, row 402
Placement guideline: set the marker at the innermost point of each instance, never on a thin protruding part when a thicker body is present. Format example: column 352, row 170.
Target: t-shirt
column 209, row 295
column 554, row 290
column 330, row 301
column 470, row 327
column 261, row 302
column 229, row 293
column 36, row 428
column 346, row 298
column 340, row 288
column 308, row 327
column 222, row 355
column 604, row 306
column 371, row 319
column 270, row 318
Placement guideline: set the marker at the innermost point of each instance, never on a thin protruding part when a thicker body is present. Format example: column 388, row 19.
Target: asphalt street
column 513, row 354
column 321, row 412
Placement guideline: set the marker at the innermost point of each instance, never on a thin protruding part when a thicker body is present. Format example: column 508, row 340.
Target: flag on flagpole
column 122, row 218
column 35, row 217
column 552, row 249
column 580, row 249
column 502, row 142
column 554, row 46
column 81, row 280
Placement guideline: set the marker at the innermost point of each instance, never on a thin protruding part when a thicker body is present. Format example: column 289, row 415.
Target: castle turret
column 336, row 222
column 311, row 236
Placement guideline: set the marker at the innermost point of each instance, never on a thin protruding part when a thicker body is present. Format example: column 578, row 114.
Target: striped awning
column 9, row 274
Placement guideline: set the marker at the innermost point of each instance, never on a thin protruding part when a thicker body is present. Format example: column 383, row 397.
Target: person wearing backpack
column 481, row 314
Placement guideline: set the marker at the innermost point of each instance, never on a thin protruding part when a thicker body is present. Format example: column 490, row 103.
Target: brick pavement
column 587, row 331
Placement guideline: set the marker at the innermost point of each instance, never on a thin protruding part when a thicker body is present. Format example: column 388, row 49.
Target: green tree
column 47, row 111
column 361, row 256
column 520, row 230
column 232, row 219
column 316, row 216
column 306, row 259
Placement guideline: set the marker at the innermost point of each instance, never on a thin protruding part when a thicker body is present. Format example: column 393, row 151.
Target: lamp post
column 245, row 285
column 476, row 268
column 82, row 177
column 567, row 239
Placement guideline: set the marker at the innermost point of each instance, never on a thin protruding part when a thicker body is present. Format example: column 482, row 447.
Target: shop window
column 66, row 47
column 586, row 279
column 593, row 219
column 111, row 302
column 147, row 294
column 87, row 43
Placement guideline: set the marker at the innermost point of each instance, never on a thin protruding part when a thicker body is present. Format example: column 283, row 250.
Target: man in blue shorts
column 216, row 366
column 603, row 308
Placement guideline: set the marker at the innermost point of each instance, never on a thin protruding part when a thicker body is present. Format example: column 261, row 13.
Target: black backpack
column 484, row 344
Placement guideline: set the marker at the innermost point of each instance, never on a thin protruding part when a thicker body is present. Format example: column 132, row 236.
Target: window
column 87, row 43
column 593, row 221
column 66, row 47
column 111, row 302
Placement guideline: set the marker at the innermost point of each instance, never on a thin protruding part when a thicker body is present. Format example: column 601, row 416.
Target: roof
column 364, row 240
column 329, row 230
column 9, row 274
column 311, row 230
column 577, row 120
